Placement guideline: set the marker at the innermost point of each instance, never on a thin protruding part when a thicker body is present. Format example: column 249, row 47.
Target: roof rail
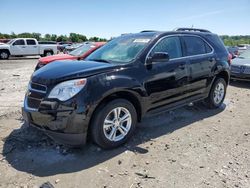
column 191, row 29
column 145, row 31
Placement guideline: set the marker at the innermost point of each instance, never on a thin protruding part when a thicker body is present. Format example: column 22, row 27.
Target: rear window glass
column 196, row 46
column 31, row 42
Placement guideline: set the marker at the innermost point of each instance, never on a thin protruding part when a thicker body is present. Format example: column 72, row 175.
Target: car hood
column 239, row 62
column 3, row 45
column 66, row 70
column 48, row 59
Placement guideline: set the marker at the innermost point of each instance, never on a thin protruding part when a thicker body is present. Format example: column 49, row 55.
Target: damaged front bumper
column 64, row 124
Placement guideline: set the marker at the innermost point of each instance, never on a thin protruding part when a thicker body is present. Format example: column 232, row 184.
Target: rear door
column 18, row 47
column 166, row 81
column 32, row 47
column 201, row 60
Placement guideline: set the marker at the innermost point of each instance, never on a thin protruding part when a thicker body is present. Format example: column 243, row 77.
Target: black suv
column 107, row 94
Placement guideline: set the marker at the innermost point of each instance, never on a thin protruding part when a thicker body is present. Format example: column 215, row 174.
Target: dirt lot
column 188, row 147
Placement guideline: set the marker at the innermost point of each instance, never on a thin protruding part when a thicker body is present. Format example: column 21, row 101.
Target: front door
column 167, row 81
column 18, row 47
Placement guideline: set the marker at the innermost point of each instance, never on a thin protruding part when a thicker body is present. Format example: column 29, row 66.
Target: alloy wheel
column 117, row 124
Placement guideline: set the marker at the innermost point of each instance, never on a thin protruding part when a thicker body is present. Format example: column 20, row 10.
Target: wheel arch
column 127, row 95
column 225, row 75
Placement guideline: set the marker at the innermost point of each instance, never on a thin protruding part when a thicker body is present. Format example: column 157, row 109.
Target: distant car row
column 79, row 53
column 240, row 67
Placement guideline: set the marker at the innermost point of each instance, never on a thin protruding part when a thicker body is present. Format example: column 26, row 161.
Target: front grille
column 35, row 95
column 38, row 87
column 247, row 70
column 235, row 69
column 33, row 103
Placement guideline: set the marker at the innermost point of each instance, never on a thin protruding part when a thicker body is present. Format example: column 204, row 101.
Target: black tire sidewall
column 210, row 100
column 46, row 53
column 8, row 55
column 97, row 124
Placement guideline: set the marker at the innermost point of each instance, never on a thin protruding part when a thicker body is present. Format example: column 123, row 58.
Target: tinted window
column 208, row 48
column 196, row 46
column 31, row 42
column 19, row 42
column 170, row 45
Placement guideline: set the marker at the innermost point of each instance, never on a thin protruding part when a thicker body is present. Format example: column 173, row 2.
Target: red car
column 78, row 54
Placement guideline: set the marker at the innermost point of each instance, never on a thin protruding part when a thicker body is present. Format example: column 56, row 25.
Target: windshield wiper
column 100, row 60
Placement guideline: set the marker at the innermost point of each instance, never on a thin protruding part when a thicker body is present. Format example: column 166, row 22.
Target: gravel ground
column 187, row 147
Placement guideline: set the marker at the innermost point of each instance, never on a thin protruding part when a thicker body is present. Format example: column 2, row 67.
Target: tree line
column 75, row 37
column 235, row 40
column 72, row 37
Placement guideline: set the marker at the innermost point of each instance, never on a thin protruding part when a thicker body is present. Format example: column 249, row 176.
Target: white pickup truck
column 26, row 47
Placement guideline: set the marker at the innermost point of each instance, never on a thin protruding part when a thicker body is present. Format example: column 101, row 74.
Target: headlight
column 67, row 90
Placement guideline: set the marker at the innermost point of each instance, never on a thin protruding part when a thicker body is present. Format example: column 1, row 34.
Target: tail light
column 229, row 58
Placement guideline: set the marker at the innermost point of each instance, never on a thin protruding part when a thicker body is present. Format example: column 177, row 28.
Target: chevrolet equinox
column 106, row 95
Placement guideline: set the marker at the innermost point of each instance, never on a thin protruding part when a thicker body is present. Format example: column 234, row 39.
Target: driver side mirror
column 158, row 57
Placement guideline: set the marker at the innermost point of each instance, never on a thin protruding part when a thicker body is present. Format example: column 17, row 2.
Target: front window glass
column 19, row 42
column 170, row 45
column 122, row 49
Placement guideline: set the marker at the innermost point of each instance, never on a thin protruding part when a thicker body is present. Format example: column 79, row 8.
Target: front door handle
column 23, row 47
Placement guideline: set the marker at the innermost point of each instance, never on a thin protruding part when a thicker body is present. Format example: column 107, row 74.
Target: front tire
column 113, row 124
column 4, row 54
column 217, row 94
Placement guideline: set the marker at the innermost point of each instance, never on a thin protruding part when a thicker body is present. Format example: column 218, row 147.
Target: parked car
column 240, row 68
column 106, row 95
column 243, row 46
column 61, row 45
column 233, row 50
column 72, row 47
column 4, row 40
column 25, row 47
column 78, row 54
column 47, row 42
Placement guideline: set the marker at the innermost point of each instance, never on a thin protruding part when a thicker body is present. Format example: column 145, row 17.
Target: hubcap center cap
column 117, row 123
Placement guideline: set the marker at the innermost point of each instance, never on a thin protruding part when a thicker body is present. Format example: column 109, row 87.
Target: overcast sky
column 107, row 18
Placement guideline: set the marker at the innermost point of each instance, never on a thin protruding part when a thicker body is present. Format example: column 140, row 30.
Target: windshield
column 81, row 50
column 121, row 50
column 10, row 41
column 245, row 55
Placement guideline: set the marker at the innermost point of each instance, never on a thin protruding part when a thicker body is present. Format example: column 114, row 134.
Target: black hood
column 65, row 70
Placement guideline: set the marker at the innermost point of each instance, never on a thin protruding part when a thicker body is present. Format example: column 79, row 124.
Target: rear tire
column 113, row 124
column 217, row 94
column 4, row 54
column 48, row 53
